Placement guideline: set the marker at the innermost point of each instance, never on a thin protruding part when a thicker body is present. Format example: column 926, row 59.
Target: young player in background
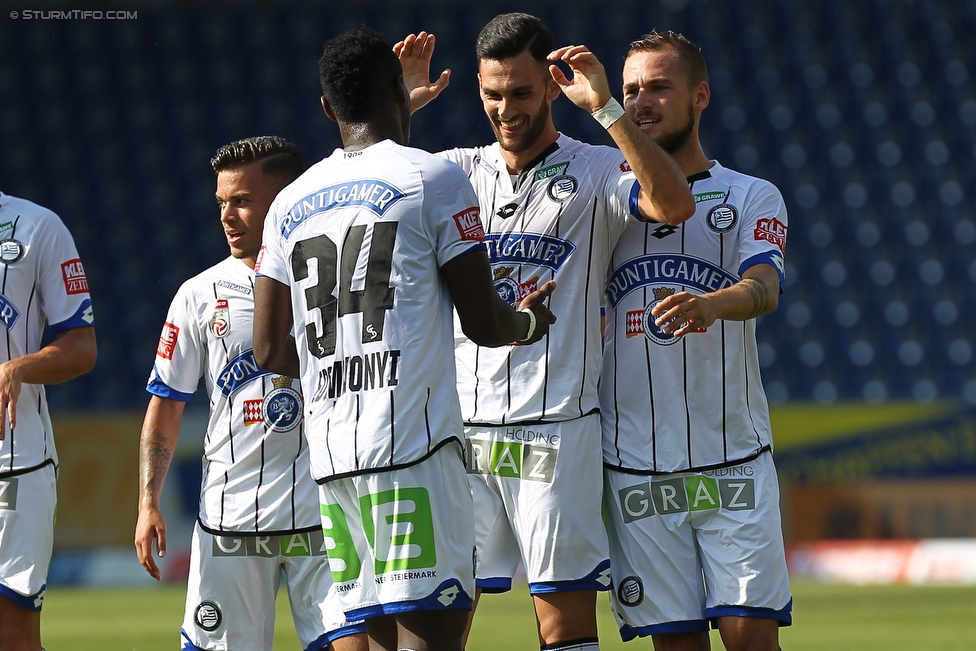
column 259, row 516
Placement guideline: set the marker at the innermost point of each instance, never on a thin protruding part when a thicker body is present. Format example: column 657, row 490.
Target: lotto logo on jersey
column 252, row 412
column 468, row 223
column 772, row 230
column 74, row 277
column 167, row 341
column 683, row 495
column 512, row 459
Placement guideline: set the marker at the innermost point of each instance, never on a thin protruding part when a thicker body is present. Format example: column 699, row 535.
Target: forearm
column 281, row 357
column 747, row 299
column 72, row 354
column 664, row 194
column 274, row 347
column 157, row 444
column 753, row 296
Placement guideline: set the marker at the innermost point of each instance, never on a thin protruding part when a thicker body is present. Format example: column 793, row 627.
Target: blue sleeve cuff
column 159, row 388
column 83, row 317
column 774, row 258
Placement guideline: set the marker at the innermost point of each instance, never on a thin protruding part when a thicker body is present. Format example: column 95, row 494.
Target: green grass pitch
column 835, row 617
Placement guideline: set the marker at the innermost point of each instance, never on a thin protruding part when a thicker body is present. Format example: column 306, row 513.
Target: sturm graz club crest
column 562, row 187
column 722, row 218
column 282, row 408
column 631, row 591
column 11, row 251
column 208, row 616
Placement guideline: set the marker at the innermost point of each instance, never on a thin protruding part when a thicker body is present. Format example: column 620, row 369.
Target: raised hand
column 415, row 52
column 589, row 88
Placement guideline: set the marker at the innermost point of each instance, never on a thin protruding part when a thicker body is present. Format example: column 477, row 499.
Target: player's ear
column 702, row 94
column 327, row 109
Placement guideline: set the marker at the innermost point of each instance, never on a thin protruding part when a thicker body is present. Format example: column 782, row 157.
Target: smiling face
column 517, row 93
column 660, row 99
column 244, row 195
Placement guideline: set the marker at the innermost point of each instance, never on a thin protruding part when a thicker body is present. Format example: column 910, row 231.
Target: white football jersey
column 255, row 461
column 360, row 239
column 559, row 220
column 42, row 281
column 672, row 404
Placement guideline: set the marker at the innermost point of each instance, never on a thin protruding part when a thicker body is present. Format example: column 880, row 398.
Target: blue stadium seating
column 870, row 133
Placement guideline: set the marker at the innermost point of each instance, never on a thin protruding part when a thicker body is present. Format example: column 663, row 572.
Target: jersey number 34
column 372, row 301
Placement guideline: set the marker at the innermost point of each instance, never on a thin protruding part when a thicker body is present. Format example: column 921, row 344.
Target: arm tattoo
column 154, row 460
column 759, row 292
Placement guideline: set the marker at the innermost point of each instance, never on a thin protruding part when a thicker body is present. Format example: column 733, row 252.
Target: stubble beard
column 519, row 144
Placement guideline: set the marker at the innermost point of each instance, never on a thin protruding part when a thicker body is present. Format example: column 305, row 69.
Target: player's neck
column 691, row 159
column 360, row 135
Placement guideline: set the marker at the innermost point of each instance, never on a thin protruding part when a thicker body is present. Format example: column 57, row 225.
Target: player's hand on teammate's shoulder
column 535, row 302
column 415, row 52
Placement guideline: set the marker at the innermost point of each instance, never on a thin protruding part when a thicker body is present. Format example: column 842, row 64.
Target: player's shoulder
column 750, row 184
column 229, row 271
column 486, row 157
column 593, row 156
column 25, row 210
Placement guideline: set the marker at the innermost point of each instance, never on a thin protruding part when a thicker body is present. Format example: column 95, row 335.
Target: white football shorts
column 28, row 505
column 230, row 596
column 688, row 548
column 402, row 540
column 537, row 492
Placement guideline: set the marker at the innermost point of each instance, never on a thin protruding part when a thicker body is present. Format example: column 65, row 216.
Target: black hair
column 508, row 35
column 357, row 70
column 279, row 157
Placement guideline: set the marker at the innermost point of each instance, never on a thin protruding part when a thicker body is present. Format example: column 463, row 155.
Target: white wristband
column 610, row 113
column 532, row 321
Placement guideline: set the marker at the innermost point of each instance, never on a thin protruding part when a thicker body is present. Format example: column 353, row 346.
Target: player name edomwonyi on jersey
column 558, row 221
column 360, row 239
column 42, row 281
column 666, row 404
column 256, row 468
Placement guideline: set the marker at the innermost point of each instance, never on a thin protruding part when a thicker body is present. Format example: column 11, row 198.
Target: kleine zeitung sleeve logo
column 468, row 223
column 73, row 273
column 772, row 230
column 167, row 341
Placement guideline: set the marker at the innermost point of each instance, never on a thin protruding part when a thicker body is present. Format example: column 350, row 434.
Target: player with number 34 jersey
column 375, row 383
